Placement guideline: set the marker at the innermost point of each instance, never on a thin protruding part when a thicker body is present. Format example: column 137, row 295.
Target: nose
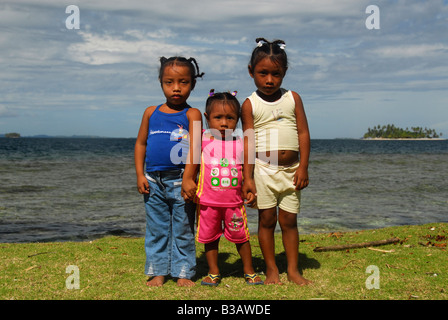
column 269, row 79
column 224, row 123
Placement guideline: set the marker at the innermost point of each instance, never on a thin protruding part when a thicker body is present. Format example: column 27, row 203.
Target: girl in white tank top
column 279, row 124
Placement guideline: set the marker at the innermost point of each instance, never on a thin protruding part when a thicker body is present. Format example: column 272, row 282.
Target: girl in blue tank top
column 166, row 141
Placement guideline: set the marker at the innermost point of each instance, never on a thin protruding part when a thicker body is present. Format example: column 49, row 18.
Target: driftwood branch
column 36, row 254
column 357, row 245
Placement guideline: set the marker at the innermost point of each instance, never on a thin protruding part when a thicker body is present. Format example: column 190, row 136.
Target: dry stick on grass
column 356, row 245
column 379, row 250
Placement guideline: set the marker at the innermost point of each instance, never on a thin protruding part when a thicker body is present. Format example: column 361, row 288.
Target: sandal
column 213, row 277
column 252, row 277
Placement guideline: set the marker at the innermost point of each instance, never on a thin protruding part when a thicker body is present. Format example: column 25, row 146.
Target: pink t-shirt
column 220, row 176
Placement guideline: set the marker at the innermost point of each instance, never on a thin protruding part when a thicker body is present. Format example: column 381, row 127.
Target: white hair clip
column 260, row 43
column 282, row 46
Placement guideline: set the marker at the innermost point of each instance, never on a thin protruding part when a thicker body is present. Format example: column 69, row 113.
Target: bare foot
column 156, row 281
column 185, row 283
column 297, row 278
column 272, row 277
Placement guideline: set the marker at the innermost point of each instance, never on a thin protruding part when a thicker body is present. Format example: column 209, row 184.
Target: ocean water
column 74, row 189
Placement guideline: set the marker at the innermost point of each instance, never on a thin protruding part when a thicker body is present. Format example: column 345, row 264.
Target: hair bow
column 212, row 93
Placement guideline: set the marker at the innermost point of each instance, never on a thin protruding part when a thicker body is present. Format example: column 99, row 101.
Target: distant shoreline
column 412, row 139
column 101, row 137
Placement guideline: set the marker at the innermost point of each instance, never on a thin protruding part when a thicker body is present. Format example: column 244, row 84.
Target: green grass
column 112, row 268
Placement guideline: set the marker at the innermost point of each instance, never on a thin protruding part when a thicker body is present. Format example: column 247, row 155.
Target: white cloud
column 216, row 40
column 107, row 49
column 427, row 50
column 112, row 61
column 6, row 112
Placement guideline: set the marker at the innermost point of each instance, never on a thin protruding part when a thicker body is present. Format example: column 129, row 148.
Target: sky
column 355, row 66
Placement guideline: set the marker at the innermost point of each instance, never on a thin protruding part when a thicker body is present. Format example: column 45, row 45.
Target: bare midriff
column 284, row 157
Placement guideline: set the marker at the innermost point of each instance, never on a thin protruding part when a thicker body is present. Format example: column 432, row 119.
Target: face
column 176, row 84
column 221, row 118
column 268, row 76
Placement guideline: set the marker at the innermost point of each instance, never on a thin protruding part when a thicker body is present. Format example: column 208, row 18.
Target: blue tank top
column 167, row 144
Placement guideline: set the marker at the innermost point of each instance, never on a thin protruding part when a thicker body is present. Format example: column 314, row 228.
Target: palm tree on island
column 390, row 131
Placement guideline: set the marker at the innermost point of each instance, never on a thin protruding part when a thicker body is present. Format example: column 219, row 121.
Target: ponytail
column 191, row 63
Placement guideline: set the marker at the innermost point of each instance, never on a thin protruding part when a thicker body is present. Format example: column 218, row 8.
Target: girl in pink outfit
column 220, row 204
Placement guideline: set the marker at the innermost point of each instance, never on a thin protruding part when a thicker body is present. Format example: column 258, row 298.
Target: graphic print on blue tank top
column 167, row 144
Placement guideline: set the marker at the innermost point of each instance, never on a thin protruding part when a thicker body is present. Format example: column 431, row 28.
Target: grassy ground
column 111, row 268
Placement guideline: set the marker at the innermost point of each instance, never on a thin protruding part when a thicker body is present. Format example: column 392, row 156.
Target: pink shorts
column 211, row 219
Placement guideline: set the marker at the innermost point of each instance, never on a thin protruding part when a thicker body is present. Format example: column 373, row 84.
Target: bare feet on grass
column 185, row 283
column 156, row 281
column 297, row 278
column 272, row 277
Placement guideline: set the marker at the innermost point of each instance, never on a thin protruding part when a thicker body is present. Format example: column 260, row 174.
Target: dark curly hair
column 226, row 97
column 272, row 50
column 181, row 61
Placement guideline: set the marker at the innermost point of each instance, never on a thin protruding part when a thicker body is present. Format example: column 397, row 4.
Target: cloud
column 6, row 112
column 112, row 62
column 427, row 50
column 97, row 49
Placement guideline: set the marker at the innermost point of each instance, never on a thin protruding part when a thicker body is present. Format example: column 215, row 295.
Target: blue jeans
column 169, row 240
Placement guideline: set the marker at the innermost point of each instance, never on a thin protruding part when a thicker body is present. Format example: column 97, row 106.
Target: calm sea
column 62, row 189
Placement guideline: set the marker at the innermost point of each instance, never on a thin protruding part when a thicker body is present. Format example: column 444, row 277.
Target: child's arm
column 140, row 151
column 249, row 190
column 194, row 154
column 301, row 179
column 251, row 199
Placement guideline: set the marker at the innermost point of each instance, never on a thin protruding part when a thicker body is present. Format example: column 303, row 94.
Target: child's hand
column 301, row 180
column 142, row 184
column 188, row 190
column 249, row 192
column 251, row 199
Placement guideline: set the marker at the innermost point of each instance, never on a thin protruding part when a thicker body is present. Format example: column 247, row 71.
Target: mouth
column 226, row 133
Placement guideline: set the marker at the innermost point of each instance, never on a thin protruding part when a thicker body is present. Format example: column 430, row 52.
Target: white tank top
column 275, row 123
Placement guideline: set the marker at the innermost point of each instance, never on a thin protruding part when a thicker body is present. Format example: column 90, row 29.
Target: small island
column 12, row 135
column 392, row 132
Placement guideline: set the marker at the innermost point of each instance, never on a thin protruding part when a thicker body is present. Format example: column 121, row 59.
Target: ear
column 193, row 84
column 249, row 68
column 206, row 115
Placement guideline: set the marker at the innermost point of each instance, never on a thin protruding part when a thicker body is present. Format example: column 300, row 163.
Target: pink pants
column 211, row 219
